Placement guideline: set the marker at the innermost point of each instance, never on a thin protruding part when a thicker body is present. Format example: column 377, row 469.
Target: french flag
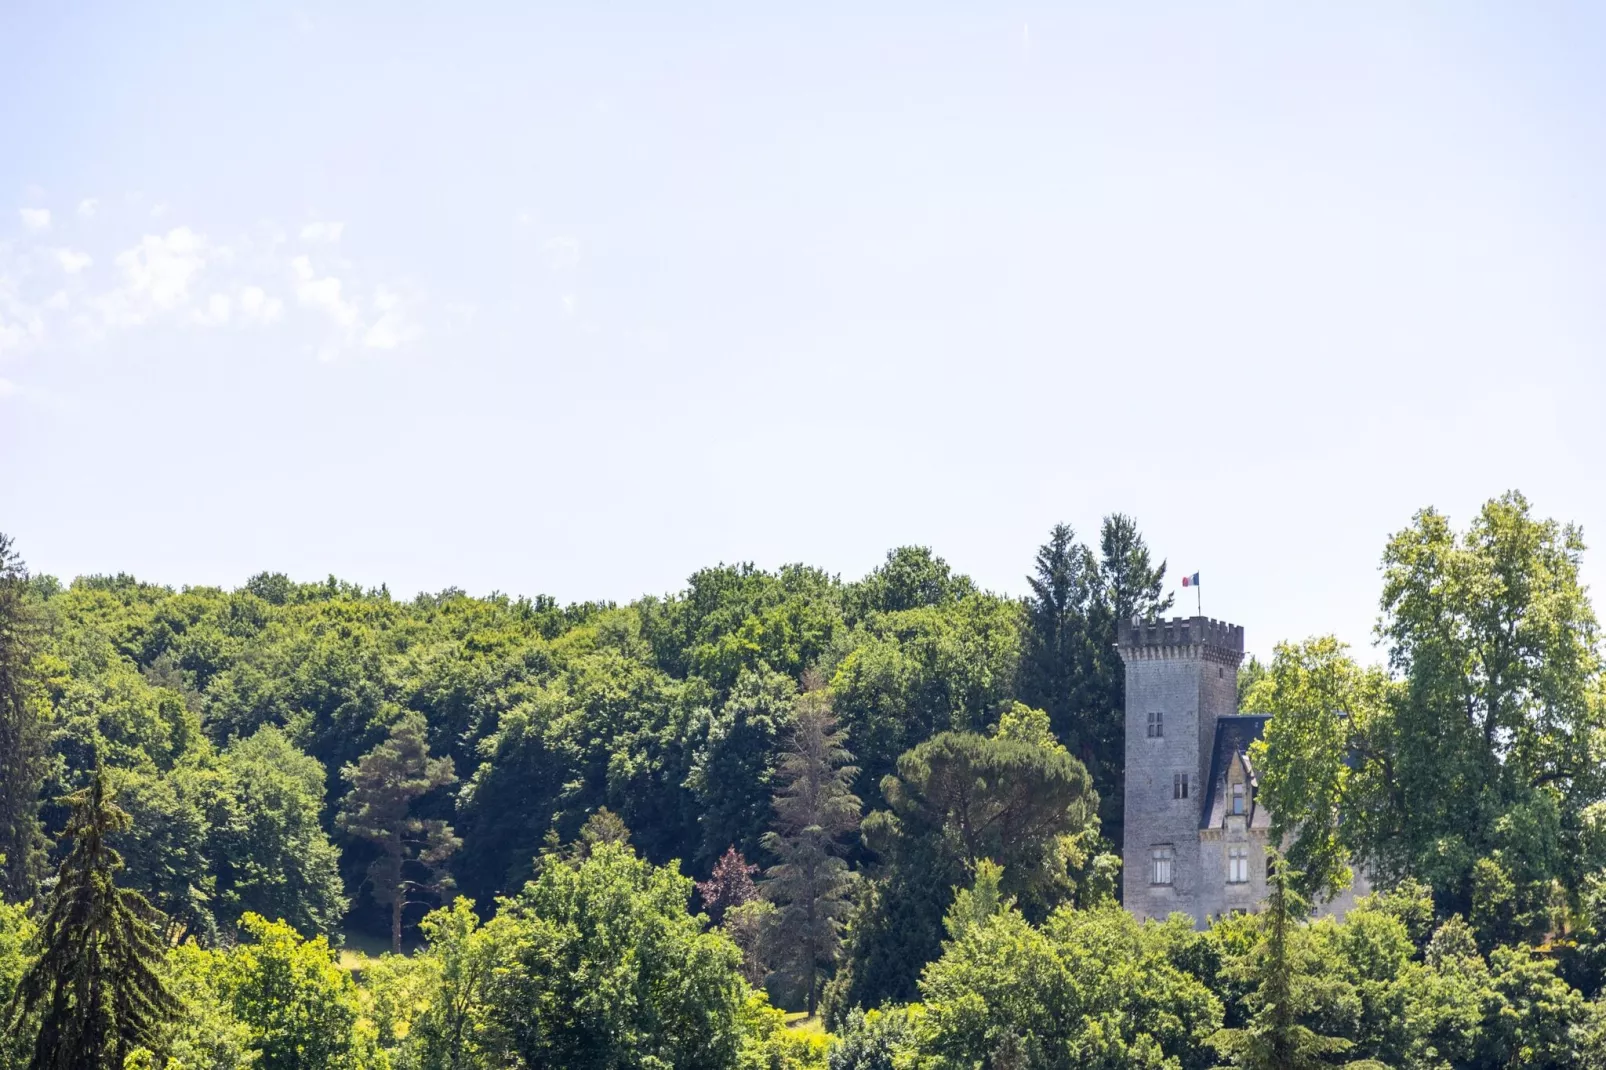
column 1191, row 581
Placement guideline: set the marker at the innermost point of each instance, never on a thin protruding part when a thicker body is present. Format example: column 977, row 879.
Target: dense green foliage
column 21, row 769
column 1069, row 667
column 815, row 810
column 96, row 985
column 1015, row 798
column 288, row 757
column 1477, row 765
column 385, row 784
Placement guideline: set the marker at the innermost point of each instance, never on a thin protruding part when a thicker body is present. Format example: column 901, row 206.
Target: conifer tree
column 385, row 783
column 814, row 809
column 1130, row 587
column 1069, row 665
column 1056, row 662
column 22, row 843
column 1288, row 990
column 97, row 984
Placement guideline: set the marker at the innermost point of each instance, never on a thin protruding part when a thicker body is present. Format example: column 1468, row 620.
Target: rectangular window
column 1237, row 865
column 1238, row 797
column 1162, row 866
column 1156, row 725
column 1179, row 786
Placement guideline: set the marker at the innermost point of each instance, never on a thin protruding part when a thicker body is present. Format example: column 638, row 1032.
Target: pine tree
column 814, row 809
column 97, row 984
column 1288, row 989
column 385, row 783
column 22, row 843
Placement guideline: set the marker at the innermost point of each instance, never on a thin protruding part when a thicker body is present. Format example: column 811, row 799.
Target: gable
column 1233, row 736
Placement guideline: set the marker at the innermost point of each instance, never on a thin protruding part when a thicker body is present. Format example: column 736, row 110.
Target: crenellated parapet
column 1181, row 637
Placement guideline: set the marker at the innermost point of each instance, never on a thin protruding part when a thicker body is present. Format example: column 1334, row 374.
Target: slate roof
column 1233, row 736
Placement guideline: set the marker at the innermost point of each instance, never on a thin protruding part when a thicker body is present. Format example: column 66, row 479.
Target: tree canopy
column 286, row 759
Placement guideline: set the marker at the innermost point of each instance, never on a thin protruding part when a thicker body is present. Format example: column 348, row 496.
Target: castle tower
column 1181, row 677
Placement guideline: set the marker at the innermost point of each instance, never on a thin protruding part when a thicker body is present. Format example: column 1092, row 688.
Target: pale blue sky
column 578, row 298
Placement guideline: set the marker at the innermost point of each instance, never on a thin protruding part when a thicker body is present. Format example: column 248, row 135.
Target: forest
column 778, row 820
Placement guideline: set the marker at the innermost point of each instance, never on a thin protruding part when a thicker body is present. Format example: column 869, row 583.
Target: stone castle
column 1196, row 833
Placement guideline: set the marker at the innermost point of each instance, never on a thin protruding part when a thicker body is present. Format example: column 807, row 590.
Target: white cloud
column 562, row 253
column 571, row 304
column 35, row 218
column 7, row 388
column 157, row 275
column 158, row 210
column 19, row 323
column 323, row 293
column 257, row 307
column 18, row 326
column 326, row 231
column 524, row 219
column 87, row 207
column 72, row 261
column 182, row 278
column 247, row 305
column 217, row 310
column 392, row 328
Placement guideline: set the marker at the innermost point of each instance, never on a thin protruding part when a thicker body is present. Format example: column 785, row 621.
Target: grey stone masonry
column 1181, row 676
column 1196, row 834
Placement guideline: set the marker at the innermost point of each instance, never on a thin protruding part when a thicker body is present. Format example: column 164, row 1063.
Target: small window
column 1221, row 674
column 1156, row 725
column 1179, row 785
column 1238, row 797
column 1161, row 872
column 1237, row 865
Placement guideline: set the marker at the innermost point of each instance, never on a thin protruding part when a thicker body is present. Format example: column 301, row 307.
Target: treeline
column 899, row 798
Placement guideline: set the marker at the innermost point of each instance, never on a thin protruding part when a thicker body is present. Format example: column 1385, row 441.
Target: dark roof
column 1233, row 736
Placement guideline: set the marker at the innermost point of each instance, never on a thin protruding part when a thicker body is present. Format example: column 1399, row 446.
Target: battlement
column 1181, row 637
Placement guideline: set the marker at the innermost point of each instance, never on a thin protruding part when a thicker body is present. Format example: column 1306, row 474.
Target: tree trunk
column 395, row 923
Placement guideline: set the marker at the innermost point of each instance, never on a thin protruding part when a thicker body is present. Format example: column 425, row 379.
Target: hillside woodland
column 308, row 825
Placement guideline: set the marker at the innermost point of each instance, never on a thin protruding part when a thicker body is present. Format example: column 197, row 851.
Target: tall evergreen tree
column 1130, row 584
column 1069, row 665
column 22, row 843
column 97, row 984
column 385, row 783
column 814, row 809
column 1288, row 988
column 1130, row 587
column 1056, row 662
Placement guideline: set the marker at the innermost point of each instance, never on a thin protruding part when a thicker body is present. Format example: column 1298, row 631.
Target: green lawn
column 360, row 948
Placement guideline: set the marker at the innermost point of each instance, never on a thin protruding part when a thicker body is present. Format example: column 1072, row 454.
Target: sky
column 578, row 298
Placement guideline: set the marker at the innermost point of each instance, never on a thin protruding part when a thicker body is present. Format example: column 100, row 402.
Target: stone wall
column 1187, row 670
